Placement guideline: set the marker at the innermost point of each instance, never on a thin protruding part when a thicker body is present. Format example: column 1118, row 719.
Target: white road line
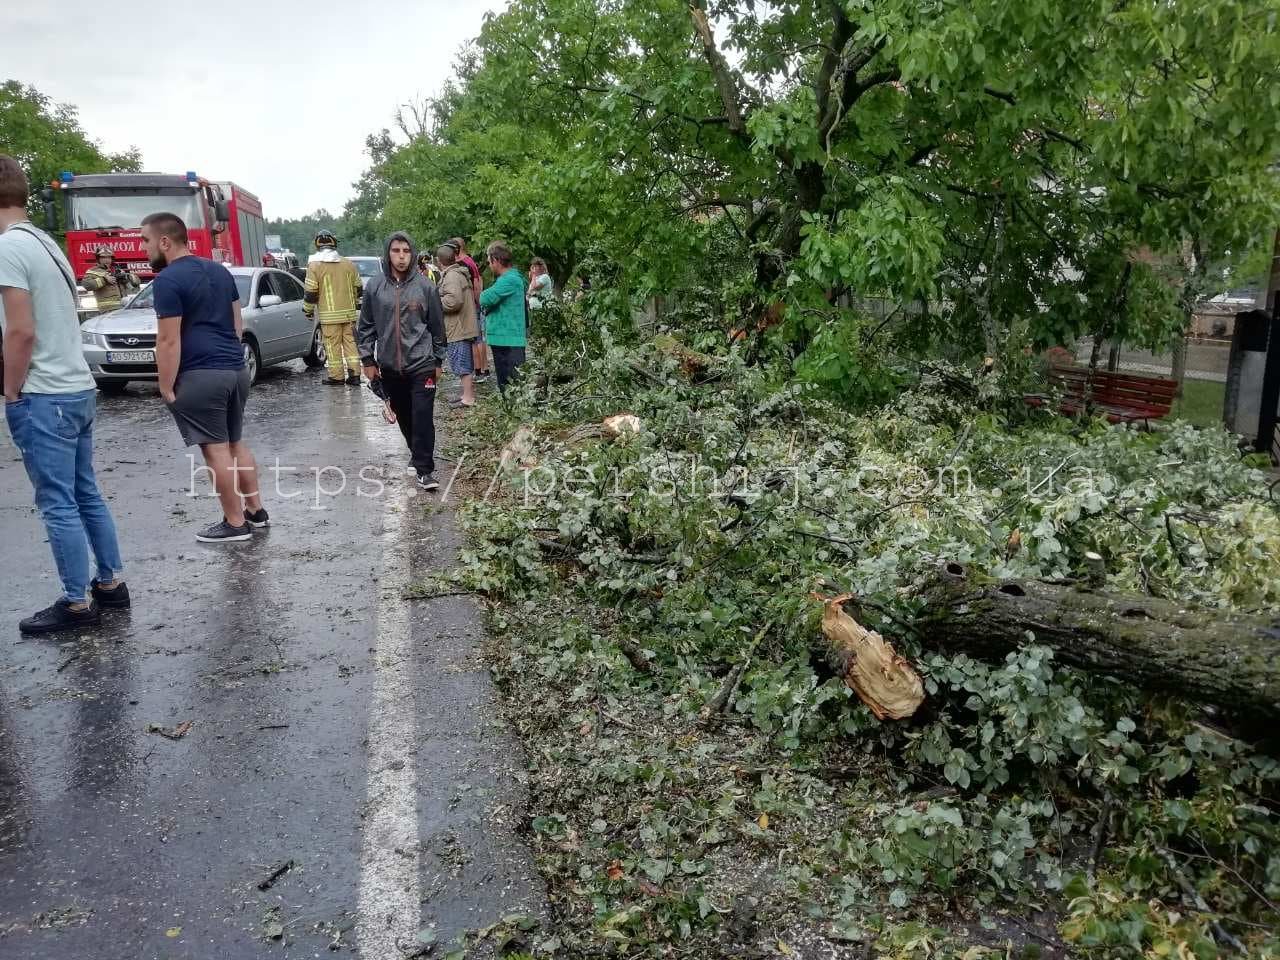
column 389, row 910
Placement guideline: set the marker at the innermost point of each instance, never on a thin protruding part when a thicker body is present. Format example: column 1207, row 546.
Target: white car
column 120, row 346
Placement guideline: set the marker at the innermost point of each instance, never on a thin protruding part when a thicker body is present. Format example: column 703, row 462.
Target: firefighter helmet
column 325, row 238
column 101, row 251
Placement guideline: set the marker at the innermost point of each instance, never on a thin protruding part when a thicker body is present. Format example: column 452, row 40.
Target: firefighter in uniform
column 332, row 291
column 108, row 283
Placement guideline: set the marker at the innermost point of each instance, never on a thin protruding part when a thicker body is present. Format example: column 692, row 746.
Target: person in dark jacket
column 401, row 339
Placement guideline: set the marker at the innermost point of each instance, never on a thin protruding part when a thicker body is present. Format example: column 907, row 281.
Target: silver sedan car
column 120, row 346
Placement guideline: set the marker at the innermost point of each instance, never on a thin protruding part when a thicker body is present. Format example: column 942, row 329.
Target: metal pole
column 1270, row 384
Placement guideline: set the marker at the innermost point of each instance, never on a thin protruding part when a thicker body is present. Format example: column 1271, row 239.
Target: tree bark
column 1228, row 661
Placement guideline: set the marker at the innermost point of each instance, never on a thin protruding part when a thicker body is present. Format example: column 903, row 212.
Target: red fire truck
column 224, row 221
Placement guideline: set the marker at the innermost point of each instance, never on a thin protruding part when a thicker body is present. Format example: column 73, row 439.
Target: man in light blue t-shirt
column 49, row 404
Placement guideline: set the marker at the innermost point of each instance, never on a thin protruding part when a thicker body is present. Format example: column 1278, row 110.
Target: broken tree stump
column 870, row 666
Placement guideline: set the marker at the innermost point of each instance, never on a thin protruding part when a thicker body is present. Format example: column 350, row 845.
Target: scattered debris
column 171, row 733
column 276, row 873
column 73, row 916
column 272, row 927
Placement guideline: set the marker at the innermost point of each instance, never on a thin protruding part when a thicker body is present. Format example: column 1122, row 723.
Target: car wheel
column 252, row 359
column 316, row 357
column 112, row 387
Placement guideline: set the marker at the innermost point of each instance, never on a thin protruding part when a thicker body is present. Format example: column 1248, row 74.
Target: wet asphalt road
column 334, row 723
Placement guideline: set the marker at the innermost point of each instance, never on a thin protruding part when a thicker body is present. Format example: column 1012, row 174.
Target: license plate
column 131, row 356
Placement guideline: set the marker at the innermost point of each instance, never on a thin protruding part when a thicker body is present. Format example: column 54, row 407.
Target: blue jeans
column 54, row 431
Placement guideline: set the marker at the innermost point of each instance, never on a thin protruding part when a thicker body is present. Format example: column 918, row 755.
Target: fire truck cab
column 224, row 221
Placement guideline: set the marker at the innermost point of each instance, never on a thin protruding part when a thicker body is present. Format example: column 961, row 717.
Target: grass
column 1200, row 403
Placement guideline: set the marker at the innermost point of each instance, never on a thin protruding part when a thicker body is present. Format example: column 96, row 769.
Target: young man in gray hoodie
column 401, row 339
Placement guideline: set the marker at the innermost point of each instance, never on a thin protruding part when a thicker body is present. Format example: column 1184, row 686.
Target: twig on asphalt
column 276, row 873
column 68, row 662
column 176, row 733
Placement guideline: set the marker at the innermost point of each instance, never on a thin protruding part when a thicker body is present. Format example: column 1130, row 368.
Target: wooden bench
column 1120, row 397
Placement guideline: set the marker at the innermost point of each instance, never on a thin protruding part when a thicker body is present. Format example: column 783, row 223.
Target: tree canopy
column 46, row 138
column 1006, row 172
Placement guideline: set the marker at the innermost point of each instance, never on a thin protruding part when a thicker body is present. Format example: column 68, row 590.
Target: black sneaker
column 482, row 376
column 336, row 382
column 427, row 481
column 61, row 617
column 353, row 379
column 116, row 599
column 258, row 519
column 224, row 532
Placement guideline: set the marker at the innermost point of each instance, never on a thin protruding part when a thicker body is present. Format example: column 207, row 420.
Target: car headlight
column 88, row 338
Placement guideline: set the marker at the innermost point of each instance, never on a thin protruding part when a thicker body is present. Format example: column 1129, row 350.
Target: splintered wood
column 518, row 449
column 620, row 424
column 882, row 679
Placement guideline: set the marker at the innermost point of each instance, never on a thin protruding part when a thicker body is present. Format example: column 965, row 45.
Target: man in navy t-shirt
column 203, row 379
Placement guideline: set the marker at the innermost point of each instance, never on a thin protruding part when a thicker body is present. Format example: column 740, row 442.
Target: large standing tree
column 1030, row 168
column 46, row 138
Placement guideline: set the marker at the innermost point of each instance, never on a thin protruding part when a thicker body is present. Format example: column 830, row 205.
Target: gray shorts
column 209, row 405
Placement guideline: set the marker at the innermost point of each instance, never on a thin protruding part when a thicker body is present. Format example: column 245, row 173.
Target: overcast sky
column 276, row 96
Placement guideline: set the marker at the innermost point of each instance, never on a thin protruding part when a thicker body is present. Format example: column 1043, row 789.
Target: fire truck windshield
column 95, row 211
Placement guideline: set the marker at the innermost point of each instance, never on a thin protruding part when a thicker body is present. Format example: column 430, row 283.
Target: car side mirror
column 221, row 211
column 269, row 300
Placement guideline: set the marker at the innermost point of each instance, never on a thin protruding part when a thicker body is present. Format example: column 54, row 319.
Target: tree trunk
column 1178, row 355
column 1228, row 661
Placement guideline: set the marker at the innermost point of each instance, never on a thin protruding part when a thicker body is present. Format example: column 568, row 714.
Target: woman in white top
column 541, row 288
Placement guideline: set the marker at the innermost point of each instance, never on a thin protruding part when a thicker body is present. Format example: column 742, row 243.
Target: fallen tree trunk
column 1211, row 657
column 698, row 367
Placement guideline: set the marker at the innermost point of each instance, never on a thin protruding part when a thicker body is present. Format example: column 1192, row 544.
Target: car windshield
column 145, row 299
column 368, row 267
